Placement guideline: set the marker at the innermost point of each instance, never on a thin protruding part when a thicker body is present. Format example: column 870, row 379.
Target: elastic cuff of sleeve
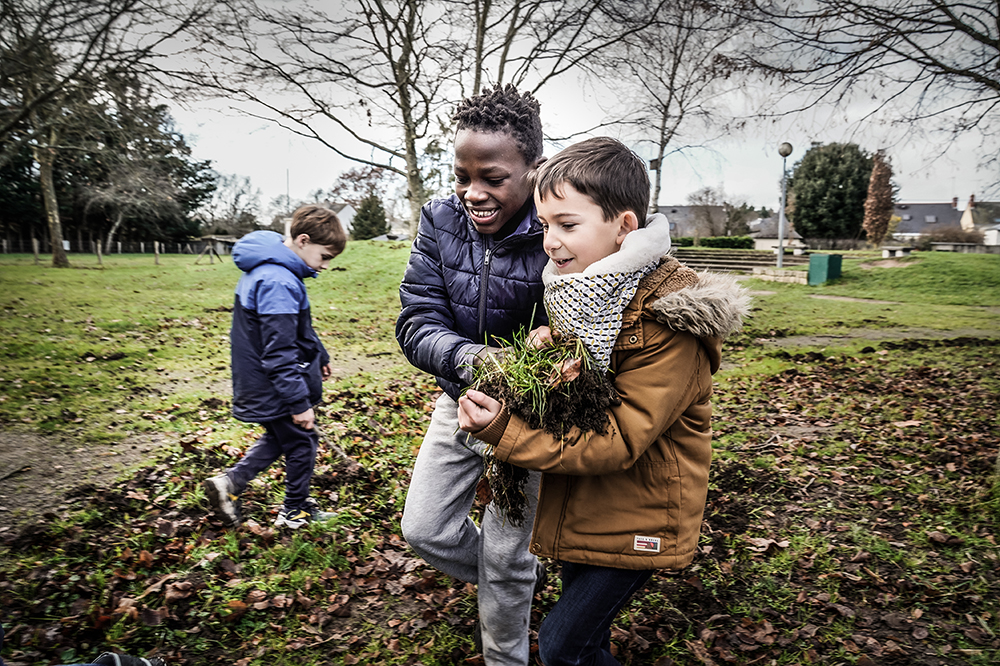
column 493, row 433
column 465, row 360
column 299, row 407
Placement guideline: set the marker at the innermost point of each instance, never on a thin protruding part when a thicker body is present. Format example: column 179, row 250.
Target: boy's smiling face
column 576, row 233
column 490, row 177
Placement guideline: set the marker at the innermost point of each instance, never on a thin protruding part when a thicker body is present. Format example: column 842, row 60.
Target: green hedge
column 729, row 242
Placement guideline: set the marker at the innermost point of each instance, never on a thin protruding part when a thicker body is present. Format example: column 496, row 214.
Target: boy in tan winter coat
column 615, row 507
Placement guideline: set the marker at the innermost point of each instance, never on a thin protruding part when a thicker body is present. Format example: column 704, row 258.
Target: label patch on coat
column 646, row 543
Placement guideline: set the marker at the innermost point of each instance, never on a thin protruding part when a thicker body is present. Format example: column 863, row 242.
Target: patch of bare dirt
column 37, row 471
column 875, row 335
column 852, row 300
column 886, row 263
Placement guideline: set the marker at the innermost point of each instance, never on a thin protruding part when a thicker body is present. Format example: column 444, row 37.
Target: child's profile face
column 490, row 177
column 576, row 233
column 315, row 256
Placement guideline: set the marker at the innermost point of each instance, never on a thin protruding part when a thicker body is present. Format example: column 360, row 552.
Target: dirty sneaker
column 112, row 659
column 221, row 494
column 318, row 516
column 308, row 513
column 293, row 519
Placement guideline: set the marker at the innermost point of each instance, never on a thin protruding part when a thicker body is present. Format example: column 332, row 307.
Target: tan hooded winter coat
column 634, row 498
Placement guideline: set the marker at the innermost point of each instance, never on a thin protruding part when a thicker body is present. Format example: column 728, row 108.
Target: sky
column 745, row 164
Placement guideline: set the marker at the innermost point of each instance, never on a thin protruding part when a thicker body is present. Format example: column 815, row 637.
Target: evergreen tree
column 830, row 185
column 369, row 221
column 878, row 205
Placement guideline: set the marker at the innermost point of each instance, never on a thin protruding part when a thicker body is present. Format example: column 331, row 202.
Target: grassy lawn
column 853, row 515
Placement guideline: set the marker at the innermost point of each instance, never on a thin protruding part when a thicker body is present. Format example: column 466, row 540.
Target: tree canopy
column 830, row 184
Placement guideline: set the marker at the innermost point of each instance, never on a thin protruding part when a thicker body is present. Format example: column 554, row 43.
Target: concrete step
column 734, row 261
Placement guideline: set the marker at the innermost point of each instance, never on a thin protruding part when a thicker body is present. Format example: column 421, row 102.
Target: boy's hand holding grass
column 541, row 337
column 476, row 410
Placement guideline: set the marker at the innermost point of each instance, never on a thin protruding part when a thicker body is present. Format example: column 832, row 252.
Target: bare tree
column 669, row 78
column 531, row 42
column 919, row 60
column 234, row 206
column 374, row 80
column 363, row 78
column 704, row 202
column 133, row 187
column 54, row 55
column 355, row 185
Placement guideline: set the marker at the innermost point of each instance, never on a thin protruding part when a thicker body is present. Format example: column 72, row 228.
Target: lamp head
column 785, row 149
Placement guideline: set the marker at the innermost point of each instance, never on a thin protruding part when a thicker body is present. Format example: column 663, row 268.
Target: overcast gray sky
column 746, row 165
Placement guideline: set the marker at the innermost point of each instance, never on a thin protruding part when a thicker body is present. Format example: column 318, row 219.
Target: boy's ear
column 301, row 240
column 627, row 223
column 541, row 160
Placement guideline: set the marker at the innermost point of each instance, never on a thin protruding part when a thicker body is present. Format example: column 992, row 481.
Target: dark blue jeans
column 281, row 438
column 578, row 629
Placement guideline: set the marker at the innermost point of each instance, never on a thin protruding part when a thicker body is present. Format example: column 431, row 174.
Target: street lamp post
column 784, row 150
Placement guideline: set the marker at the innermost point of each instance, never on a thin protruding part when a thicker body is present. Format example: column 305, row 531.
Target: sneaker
column 309, row 513
column 318, row 516
column 293, row 519
column 221, row 494
column 112, row 659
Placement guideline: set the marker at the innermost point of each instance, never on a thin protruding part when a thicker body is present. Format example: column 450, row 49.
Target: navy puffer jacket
column 461, row 287
column 277, row 356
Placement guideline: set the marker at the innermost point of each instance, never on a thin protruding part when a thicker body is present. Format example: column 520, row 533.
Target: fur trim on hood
column 713, row 307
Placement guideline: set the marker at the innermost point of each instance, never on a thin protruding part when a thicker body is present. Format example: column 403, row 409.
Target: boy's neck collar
column 510, row 226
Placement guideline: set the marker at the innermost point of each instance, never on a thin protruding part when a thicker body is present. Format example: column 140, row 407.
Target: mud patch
column 886, row 263
column 37, row 472
column 874, row 335
column 826, row 297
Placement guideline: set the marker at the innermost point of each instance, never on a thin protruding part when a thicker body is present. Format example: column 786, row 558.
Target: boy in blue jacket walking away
column 473, row 279
column 279, row 363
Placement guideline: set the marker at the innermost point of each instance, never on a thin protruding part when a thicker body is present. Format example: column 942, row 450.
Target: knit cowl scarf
column 589, row 305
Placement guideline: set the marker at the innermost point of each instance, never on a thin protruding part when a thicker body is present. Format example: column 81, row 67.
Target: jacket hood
column 268, row 247
column 712, row 307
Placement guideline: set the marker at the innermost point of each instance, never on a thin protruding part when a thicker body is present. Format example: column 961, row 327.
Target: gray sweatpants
column 437, row 525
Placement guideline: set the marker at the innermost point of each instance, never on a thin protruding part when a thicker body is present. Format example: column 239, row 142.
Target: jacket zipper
column 487, row 255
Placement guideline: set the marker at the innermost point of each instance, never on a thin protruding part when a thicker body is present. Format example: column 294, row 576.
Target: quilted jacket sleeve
column 426, row 326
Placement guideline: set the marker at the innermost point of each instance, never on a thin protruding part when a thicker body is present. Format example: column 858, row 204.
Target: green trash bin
column 823, row 267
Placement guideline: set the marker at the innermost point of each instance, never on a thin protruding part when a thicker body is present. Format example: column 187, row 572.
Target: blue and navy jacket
column 461, row 287
column 277, row 356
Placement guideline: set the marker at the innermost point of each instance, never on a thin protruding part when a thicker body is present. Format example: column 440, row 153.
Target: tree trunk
column 114, row 229
column 45, row 156
column 415, row 189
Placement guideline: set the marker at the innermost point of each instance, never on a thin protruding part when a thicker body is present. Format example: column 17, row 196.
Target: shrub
column 949, row 235
column 730, row 242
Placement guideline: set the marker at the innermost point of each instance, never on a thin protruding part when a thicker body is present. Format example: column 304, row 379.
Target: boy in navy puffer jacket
column 473, row 279
column 279, row 363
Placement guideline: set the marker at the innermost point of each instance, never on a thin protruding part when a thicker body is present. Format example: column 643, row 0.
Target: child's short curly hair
column 503, row 109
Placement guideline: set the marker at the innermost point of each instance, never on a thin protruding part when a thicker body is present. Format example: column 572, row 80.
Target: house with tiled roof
column 983, row 216
column 764, row 232
column 686, row 221
column 918, row 218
